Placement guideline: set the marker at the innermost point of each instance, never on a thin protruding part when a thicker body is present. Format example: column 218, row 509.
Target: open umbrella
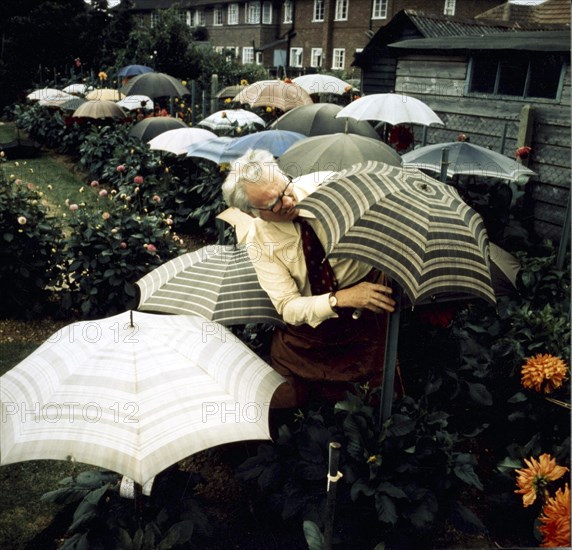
column 322, row 84
column 56, row 101
column 155, row 85
column 77, row 89
column 132, row 102
column 230, row 91
column 274, row 93
column 99, row 109
column 275, row 141
column 48, row 93
column 335, row 152
column 320, row 119
column 133, row 70
column 151, row 127
column 391, row 108
column 134, row 394
column 230, row 118
column 217, row 282
column 212, row 149
column 104, row 94
column 176, row 141
column 466, row 159
column 72, row 104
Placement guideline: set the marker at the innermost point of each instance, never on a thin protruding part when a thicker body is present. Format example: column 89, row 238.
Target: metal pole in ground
column 333, row 477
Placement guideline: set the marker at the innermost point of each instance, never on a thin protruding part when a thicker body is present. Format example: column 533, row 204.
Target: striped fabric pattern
column 217, row 282
column 134, row 398
column 412, row 227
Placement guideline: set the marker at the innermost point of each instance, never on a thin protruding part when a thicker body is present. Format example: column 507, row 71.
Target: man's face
column 274, row 200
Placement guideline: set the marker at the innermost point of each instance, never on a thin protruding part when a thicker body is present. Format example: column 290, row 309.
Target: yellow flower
column 102, row 75
column 268, row 109
column 555, row 520
column 184, row 82
column 244, row 82
column 533, row 479
column 372, row 459
column 227, row 100
column 543, row 373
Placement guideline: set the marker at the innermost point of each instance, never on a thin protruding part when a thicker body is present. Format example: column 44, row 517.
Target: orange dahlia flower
column 555, row 520
column 543, row 373
column 533, row 479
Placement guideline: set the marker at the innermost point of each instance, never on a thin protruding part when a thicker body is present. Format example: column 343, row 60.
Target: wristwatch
column 333, row 301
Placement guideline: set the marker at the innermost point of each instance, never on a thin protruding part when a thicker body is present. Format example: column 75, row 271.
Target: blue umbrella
column 134, row 70
column 211, row 149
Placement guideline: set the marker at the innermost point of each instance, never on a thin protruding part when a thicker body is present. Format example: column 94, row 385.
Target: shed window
column 520, row 75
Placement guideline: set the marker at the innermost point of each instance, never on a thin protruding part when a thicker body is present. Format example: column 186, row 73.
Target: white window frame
column 258, row 58
column 341, row 11
column 449, row 7
column 200, row 18
column 316, row 57
column 155, row 18
column 247, row 55
column 288, row 11
column 266, row 13
column 318, row 11
column 296, row 57
column 218, row 16
column 338, row 59
column 253, row 12
column 379, row 9
column 232, row 14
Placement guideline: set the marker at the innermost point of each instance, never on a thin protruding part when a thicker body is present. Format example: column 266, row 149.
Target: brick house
column 303, row 35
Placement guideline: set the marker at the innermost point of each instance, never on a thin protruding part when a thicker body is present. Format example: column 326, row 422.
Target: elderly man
column 323, row 350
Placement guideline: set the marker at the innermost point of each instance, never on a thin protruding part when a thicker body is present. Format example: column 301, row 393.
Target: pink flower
column 103, row 193
column 73, row 207
column 151, row 248
column 121, row 168
column 94, row 183
column 156, row 198
column 106, row 215
column 122, row 244
column 138, row 180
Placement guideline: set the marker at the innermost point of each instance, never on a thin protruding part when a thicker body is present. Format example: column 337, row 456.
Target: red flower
column 138, row 180
column 401, row 137
column 523, row 152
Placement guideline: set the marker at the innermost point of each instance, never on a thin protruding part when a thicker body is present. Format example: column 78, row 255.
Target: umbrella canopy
column 391, row 108
column 335, row 152
column 155, row 85
column 410, row 226
column 322, row 84
column 230, row 118
column 99, row 109
column 320, row 119
column 72, row 104
column 176, row 141
column 466, row 159
column 275, row 141
column 216, row 282
column 132, row 102
column 230, row 91
column 151, row 127
column 134, row 70
column 48, row 93
column 274, row 93
column 104, row 94
column 77, row 89
column 134, row 397
column 56, row 101
column 212, row 149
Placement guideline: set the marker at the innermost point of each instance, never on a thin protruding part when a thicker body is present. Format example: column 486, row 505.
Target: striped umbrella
column 134, row 394
column 217, row 282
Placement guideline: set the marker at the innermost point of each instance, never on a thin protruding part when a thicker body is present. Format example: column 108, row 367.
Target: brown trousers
column 322, row 363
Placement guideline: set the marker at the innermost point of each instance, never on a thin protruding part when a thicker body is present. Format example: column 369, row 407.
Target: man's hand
column 366, row 295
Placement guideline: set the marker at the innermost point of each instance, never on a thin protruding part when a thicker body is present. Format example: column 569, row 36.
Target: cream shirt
column 275, row 249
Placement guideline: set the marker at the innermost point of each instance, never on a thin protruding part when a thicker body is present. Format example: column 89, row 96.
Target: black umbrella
column 134, row 70
column 155, row 85
column 151, row 127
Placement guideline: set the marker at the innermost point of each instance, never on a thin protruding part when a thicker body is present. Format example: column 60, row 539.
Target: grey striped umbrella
column 412, row 227
column 134, row 394
column 217, row 282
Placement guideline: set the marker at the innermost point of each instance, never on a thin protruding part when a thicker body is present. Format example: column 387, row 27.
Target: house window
column 230, row 52
column 182, row 15
column 531, row 76
column 217, row 16
column 316, row 57
column 449, row 7
column 200, row 19
column 341, row 12
column 267, row 13
column 233, row 14
column 154, row 19
column 288, row 11
column 258, row 58
column 247, row 55
column 253, row 13
column 338, row 58
column 295, row 57
column 379, row 9
column 319, row 8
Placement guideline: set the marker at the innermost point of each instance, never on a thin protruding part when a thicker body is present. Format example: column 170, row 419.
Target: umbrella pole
column 444, row 164
column 390, row 358
column 333, row 478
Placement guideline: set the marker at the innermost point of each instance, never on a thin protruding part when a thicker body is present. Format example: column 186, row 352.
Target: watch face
column 333, row 301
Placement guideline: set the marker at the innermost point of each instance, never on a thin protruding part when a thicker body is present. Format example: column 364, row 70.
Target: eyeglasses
column 285, row 192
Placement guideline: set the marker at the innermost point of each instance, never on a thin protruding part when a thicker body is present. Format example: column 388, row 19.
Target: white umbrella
column 132, row 102
column 78, row 88
column 48, row 94
column 134, row 397
column 391, row 108
column 229, row 118
column 176, row 141
column 322, row 84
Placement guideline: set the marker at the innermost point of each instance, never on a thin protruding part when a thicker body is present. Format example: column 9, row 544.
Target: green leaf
column 313, row 535
column 401, row 425
column 64, row 496
column 466, row 473
column 8, row 237
column 386, row 511
column 180, row 533
column 518, row 398
column 465, row 519
column 480, row 394
column 391, row 490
